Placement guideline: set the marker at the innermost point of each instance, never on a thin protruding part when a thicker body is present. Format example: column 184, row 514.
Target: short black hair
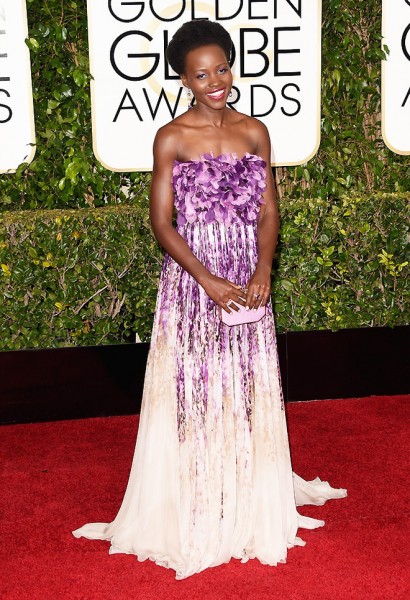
column 192, row 35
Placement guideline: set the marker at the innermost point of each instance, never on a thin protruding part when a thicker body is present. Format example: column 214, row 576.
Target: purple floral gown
column 212, row 477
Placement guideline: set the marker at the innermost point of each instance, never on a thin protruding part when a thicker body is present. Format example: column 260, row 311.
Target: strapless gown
column 211, row 477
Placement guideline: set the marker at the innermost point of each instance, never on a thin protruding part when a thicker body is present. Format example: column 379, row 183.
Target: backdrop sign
column 277, row 71
column 396, row 76
column 17, row 136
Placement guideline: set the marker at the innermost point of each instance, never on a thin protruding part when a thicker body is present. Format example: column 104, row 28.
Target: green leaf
column 287, row 285
column 32, row 43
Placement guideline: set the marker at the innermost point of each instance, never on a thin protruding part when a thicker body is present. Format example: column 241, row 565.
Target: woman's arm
column 219, row 290
column 268, row 227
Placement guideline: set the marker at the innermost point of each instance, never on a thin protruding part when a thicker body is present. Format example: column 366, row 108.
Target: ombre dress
column 211, row 477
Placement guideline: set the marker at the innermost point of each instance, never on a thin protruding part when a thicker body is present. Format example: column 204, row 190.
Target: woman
column 212, row 477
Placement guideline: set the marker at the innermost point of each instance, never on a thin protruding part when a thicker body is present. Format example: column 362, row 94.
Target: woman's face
column 209, row 76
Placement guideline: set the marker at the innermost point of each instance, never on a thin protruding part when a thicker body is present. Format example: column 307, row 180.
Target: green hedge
column 86, row 277
column 76, row 277
column 85, row 272
column 343, row 264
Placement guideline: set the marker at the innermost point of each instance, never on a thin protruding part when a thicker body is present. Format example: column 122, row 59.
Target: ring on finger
column 257, row 296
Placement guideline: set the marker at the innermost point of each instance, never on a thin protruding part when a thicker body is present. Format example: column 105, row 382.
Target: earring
column 230, row 94
column 189, row 93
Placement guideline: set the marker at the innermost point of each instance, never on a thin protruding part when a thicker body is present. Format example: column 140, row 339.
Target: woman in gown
column 211, row 477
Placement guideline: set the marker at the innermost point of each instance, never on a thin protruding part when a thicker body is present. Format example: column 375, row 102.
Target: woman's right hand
column 222, row 292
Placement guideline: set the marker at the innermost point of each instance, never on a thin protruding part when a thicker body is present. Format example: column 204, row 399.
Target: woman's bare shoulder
column 259, row 134
column 166, row 134
column 251, row 124
column 169, row 136
column 256, row 126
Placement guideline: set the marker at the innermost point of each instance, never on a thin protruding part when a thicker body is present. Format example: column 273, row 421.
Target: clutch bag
column 242, row 316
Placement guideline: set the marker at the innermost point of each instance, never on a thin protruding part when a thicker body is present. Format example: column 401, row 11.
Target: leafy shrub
column 76, row 277
column 89, row 276
column 352, row 156
column 344, row 263
column 64, row 172
column 79, row 264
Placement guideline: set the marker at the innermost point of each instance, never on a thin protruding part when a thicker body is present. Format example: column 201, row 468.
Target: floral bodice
column 224, row 189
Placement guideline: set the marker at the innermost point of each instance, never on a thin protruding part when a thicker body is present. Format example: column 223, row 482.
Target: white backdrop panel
column 276, row 73
column 396, row 76
column 17, row 135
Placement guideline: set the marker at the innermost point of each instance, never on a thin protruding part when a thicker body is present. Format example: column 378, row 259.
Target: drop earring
column 191, row 98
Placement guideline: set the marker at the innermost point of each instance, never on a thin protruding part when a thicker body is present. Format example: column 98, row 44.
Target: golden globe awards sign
column 17, row 136
column 276, row 72
column 396, row 76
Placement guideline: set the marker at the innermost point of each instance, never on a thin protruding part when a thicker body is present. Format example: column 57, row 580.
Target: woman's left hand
column 258, row 288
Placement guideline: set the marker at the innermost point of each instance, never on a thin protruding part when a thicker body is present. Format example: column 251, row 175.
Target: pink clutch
column 242, row 315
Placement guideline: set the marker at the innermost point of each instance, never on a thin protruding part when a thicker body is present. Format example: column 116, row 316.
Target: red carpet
column 57, row 476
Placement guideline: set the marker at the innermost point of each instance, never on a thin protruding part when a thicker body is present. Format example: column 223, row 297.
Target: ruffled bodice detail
column 224, row 189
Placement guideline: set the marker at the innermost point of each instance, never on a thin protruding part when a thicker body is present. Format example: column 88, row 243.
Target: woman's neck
column 209, row 116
